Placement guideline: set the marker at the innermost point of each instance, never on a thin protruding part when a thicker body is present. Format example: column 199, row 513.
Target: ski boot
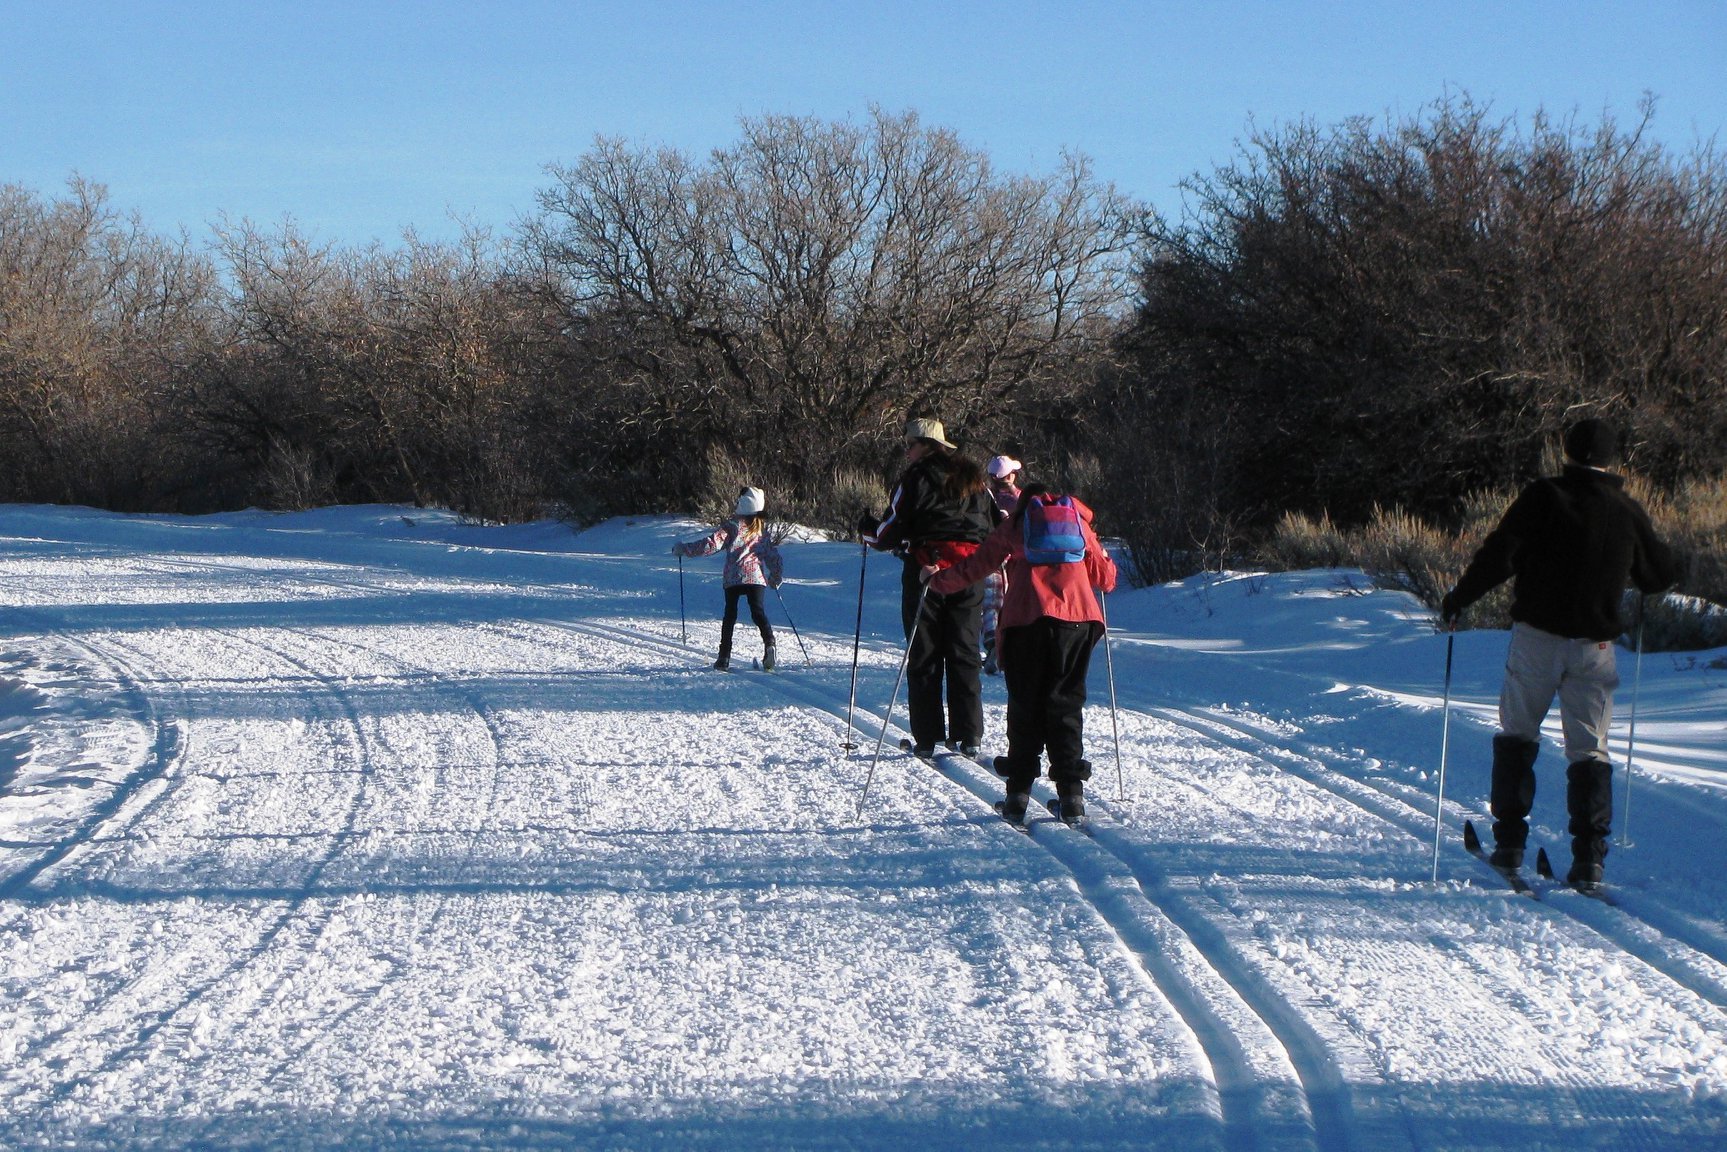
column 1069, row 804
column 1012, row 808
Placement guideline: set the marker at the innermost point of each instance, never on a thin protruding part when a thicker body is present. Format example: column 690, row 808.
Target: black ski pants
column 1045, row 665
column 942, row 650
column 758, row 613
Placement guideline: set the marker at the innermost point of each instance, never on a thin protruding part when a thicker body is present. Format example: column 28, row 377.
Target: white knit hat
column 751, row 501
column 1000, row 466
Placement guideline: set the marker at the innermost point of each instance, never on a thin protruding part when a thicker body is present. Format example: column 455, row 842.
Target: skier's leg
column 961, row 612
column 1512, row 796
column 728, row 623
column 1534, row 665
column 1022, row 667
column 759, row 614
column 923, row 665
column 1586, row 710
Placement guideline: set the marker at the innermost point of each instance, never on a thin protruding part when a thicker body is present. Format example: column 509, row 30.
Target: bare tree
column 795, row 296
column 96, row 315
column 1403, row 313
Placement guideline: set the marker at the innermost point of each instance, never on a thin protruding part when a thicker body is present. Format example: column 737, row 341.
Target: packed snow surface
column 370, row 828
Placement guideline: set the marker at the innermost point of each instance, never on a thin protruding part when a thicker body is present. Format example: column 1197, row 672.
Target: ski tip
column 1543, row 866
column 1471, row 841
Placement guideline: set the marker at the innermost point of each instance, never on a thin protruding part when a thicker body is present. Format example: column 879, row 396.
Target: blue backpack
column 1052, row 531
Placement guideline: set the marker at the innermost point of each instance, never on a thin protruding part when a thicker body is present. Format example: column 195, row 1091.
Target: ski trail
column 1684, row 953
column 124, row 803
column 334, row 656
column 157, row 1010
column 1268, row 1074
column 1354, row 975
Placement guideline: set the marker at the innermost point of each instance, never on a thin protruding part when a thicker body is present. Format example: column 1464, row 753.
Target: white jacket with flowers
column 751, row 557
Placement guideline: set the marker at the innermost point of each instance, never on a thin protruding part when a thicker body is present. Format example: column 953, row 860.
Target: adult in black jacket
column 940, row 512
column 1571, row 542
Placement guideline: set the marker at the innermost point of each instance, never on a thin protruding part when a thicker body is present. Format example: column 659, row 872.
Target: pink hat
column 1000, row 466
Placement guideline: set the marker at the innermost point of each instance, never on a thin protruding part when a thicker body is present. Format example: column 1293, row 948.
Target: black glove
column 1450, row 608
column 867, row 524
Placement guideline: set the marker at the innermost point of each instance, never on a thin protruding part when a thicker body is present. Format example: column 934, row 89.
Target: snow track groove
column 1689, row 957
column 1277, row 1085
column 501, row 863
column 155, row 1002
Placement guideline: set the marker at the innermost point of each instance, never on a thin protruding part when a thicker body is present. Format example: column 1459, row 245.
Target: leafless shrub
column 95, row 317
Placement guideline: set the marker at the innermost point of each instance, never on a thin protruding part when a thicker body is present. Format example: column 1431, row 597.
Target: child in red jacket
column 1050, row 622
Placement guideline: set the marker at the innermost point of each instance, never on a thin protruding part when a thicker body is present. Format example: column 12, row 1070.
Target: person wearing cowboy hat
column 940, row 511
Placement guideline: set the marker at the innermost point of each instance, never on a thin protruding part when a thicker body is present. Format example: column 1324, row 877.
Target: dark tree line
column 1365, row 315
column 1402, row 314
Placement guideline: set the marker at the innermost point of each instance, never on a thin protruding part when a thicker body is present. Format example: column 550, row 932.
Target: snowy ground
column 365, row 828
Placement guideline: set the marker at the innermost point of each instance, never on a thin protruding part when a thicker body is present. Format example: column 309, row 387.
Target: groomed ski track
column 1309, row 1030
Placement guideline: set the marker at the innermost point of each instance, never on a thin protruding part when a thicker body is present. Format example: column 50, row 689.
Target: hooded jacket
column 751, row 557
column 1572, row 542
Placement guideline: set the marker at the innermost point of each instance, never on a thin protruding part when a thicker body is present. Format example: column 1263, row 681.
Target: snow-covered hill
column 367, row 828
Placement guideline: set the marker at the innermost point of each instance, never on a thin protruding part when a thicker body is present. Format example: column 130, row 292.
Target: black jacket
column 1573, row 542
column 922, row 513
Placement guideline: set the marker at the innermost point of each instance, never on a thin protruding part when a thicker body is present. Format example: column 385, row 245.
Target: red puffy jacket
column 1063, row 591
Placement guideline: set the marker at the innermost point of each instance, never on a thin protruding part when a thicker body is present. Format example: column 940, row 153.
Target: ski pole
column 794, row 625
column 1631, row 736
column 1114, row 725
column 1444, row 747
column 850, row 744
column 683, row 629
column 911, row 638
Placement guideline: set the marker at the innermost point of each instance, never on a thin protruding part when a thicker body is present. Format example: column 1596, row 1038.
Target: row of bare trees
column 1367, row 314
column 773, row 311
column 788, row 302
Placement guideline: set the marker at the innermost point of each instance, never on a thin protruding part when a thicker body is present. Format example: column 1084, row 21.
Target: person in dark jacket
column 940, row 511
column 1571, row 543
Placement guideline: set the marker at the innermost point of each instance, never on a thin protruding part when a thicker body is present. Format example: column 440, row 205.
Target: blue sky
column 359, row 118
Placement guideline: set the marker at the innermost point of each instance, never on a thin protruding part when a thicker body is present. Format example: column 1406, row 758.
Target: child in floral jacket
column 752, row 563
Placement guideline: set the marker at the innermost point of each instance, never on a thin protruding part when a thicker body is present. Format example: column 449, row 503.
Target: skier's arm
column 1655, row 566
column 772, row 566
column 988, row 557
column 704, row 547
column 1099, row 565
column 890, row 531
column 1496, row 560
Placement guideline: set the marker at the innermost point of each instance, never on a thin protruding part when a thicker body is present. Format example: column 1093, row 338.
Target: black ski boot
column 769, row 657
column 1012, row 809
column 1589, row 799
column 723, row 664
column 1512, row 795
column 1069, row 804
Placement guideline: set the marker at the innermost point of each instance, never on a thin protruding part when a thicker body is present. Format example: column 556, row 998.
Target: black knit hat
column 1594, row 443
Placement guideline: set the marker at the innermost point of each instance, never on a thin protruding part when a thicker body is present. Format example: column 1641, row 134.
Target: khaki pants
column 1583, row 673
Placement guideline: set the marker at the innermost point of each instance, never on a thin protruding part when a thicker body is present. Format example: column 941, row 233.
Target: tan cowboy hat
column 927, row 430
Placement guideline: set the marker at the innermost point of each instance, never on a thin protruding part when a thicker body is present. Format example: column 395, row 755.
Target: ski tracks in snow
column 1229, row 877
column 1322, row 1022
column 1277, row 1082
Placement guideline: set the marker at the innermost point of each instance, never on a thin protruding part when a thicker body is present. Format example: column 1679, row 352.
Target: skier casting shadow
column 1571, row 543
column 939, row 513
